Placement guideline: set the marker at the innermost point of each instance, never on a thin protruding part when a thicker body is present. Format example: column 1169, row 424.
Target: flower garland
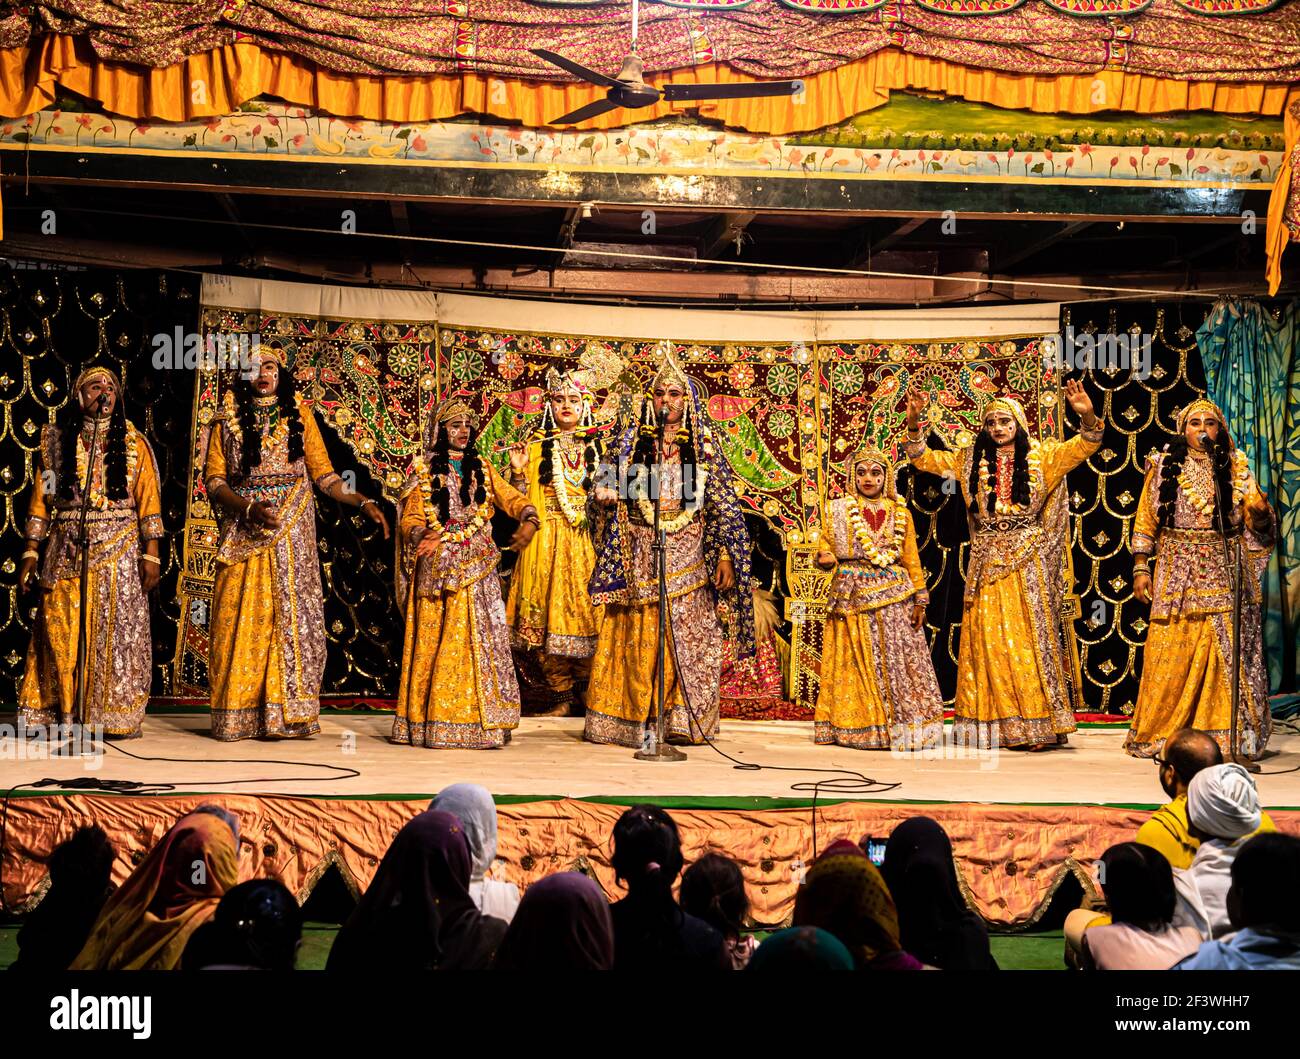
column 97, row 499
column 683, row 518
column 867, row 540
column 446, row 534
column 560, row 482
column 1205, row 504
column 1006, row 507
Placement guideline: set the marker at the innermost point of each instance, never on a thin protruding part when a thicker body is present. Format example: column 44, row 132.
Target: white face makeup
column 869, row 479
column 566, row 407
column 93, row 390
column 670, row 402
column 457, row 429
column 268, row 377
column 1001, row 427
column 1200, row 423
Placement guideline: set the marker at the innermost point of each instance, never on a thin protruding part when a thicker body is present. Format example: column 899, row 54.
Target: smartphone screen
column 876, row 851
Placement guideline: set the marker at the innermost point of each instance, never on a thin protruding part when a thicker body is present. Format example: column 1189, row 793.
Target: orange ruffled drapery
column 216, row 82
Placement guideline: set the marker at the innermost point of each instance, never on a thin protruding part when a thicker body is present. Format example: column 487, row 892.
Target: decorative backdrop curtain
column 1252, row 368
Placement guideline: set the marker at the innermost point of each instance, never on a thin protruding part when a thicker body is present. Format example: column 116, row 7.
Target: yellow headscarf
column 1007, row 403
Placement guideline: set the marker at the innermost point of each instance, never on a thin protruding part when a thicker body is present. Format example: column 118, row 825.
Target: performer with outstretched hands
column 1018, row 680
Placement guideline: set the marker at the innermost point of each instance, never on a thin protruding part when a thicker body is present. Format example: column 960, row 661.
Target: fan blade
column 591, row 110
column 577, row 69
column 751, row 90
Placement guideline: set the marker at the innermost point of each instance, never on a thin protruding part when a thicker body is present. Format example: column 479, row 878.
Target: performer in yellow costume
column 266, row 654
column 457, row 687
column 1187, row 661
column 1018, row 682
column 549, row 608
column 124, row 525
column 707, row 562
column 878, row 687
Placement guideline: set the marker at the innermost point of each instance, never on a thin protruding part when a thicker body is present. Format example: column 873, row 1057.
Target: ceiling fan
column 629, row 89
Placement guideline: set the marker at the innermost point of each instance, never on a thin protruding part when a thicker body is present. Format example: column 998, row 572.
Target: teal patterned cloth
column 1252, row 366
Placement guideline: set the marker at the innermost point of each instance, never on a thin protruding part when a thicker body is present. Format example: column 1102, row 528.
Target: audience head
column 1139, row 886
column 1265, row 881
column 1222, row 802
column 563, row 923
column 257, row 925
column 1185, row 753
column 713, row 889
column 473, row 806
column 801, row 949
column 84, row 862
column 223, row 814
column 647, row 849
column 845, row 894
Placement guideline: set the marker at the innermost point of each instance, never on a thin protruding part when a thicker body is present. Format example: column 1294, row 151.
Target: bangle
column 151, row 558
column 1141, row 570
column 362, row 505
column 29, row 554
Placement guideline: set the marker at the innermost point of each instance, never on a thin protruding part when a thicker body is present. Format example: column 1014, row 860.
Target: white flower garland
column 560, row 482
column 97, row 499
column 1205, row 504
column 683, row 518
column 446, row 535
column 1003, row 507
column 867, row 540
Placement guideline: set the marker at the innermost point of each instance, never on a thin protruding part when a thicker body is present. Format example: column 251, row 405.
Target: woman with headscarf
column 844, row 893
column 257, row 927
column 417, row 914
column 1187, row 660
column 934, row 922
column 651, row 931
column 124, row 525
column 801, row 949
column 706, row 563
column 1018, row 681
column 549, row 608
column 266, row 656
column 457, row 688
column 563, row 924
column 473, row 806
column 878, row 688
column 148, row 921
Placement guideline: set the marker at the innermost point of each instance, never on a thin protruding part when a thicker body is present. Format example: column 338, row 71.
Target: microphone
column 1203, row 439
column 103, row 401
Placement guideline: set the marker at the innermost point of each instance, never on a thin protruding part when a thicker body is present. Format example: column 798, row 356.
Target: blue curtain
column 1252, row 367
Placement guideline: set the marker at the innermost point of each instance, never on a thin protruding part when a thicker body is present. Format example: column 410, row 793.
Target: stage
column 1019, row 822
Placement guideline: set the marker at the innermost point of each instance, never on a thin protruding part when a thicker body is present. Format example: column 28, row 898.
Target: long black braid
column 985, row 448
column 591, row 456
column 245, row 411
column 1171, row 466
column 471, row 471
column 643, row 455
column 69, row 425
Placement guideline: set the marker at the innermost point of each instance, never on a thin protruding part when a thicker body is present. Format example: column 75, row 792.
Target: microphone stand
column 83, row 541
column 1232, row 563
column 660, row 750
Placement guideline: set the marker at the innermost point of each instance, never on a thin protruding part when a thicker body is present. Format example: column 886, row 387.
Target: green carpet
column 1014, row 952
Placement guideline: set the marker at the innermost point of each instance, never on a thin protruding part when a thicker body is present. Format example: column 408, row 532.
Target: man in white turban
column 1223, row 811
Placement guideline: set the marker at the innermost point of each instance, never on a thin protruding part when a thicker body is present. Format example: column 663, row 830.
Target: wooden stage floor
column 547, row 758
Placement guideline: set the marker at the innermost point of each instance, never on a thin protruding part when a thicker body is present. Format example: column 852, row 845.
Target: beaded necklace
column 446, row 534
column 563, row 465
column 683, row 518
column 1003, row 505
column 1198, row 498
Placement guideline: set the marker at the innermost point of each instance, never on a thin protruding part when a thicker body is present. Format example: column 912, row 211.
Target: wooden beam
column 725, row 233
column 401, row 221
column 1037, row 245
column 896, row 236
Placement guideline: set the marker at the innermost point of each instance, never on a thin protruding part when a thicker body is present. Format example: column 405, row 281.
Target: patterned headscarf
column 868, row 453
column 1012, row 406
column 101, row 373
column 1205, row 407
column 845, row 894
column 448, row 409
